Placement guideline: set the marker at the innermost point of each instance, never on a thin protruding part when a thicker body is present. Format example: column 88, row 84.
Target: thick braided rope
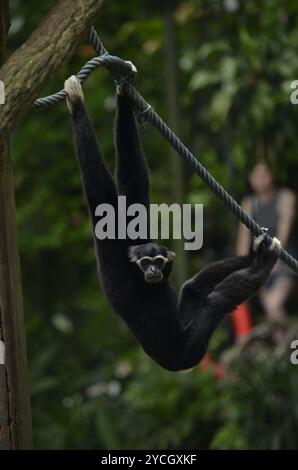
column 121, row 71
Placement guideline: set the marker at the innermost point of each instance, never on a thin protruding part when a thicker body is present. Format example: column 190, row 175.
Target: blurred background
column 219, row 72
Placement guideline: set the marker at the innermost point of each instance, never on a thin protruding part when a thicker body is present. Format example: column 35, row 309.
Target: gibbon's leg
column 230, row 292
column 242, row 284
column 98, row 183
column 195, row 290
column 204, row 282
column 132, row 170
column 206, row 285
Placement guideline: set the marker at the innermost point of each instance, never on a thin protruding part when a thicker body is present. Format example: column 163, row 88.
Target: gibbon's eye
column 144, row 262
column 160, row 261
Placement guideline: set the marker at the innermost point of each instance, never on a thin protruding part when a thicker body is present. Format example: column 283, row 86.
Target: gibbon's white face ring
column 159, row 261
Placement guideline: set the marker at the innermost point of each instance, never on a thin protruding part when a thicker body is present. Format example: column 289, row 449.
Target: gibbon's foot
column 133, row 70
column 74, row 92
column 259, row 250
column 257, row 244
column 275, row 246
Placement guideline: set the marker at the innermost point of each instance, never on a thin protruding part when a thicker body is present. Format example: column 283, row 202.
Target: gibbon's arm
column 98, row 185
column 132, row 170
column 97, row 182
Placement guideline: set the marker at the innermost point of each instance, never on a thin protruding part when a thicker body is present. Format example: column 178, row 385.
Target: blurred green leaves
column 92, row 386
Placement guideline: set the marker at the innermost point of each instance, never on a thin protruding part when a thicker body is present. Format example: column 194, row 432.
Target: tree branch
column 32, row 65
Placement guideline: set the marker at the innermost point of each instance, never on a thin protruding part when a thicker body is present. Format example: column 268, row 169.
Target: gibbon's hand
column 74, row 92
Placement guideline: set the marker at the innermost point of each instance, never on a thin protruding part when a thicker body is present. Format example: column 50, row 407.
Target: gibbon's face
column 154, row 261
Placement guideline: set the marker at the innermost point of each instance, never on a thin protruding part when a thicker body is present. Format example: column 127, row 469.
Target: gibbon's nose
column 153, row 269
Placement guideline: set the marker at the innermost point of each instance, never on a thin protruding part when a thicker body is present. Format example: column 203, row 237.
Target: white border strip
column 2, row 353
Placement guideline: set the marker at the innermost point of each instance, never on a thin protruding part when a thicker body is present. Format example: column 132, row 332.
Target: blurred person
column 273, row 208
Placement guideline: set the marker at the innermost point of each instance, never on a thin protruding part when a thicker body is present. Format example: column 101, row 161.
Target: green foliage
column 174, row 416
column 92, row 386
column 260, row 400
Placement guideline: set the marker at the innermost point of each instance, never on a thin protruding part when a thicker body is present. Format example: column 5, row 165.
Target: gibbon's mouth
column 153, row 278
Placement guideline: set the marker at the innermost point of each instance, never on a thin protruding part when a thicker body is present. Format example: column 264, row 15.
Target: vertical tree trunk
column 177, row 181
column 15, row 415
column 24, row 73
column 4, row 26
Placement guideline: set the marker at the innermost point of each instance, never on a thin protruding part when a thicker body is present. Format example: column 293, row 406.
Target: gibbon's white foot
column 258, row 241
column 258, row 244
column 74, row 91
column 275, row 246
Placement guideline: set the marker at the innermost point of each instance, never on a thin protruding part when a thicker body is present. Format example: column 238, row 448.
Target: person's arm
column 286, row 215
column 243, row 236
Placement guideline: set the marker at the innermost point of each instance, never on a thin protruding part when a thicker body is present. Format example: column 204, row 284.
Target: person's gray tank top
column 266, row 216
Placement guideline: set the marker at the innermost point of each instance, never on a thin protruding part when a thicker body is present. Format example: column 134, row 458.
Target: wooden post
column 23, row 74
column 12, row 375
column 15, row 417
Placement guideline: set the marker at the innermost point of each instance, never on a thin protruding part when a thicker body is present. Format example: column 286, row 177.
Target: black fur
column 174, row 331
